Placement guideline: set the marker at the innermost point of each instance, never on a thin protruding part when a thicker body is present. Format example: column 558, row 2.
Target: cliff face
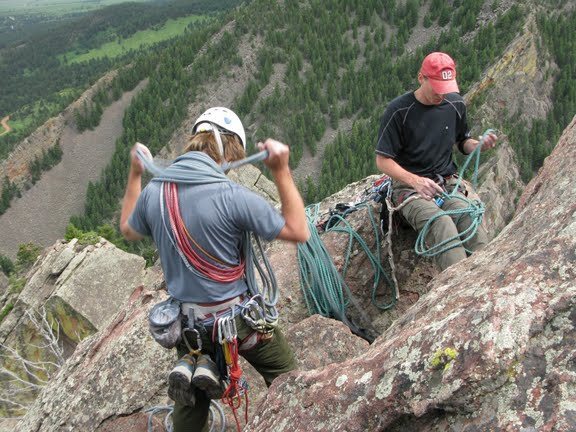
column 487, row 344
column 490, row 346
column 519, row 83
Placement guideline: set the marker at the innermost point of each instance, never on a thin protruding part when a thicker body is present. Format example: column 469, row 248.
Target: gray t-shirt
column 215, row 215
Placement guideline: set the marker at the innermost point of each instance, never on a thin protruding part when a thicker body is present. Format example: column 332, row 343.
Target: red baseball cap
column 440, row 69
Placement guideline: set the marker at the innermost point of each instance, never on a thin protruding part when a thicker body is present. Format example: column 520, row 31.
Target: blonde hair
column 206, row 142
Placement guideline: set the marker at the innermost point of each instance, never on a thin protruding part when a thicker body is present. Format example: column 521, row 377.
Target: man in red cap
column 417, row 134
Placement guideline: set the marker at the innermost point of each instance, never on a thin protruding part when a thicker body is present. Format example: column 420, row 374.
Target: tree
column 6, row 265
column 21, row 375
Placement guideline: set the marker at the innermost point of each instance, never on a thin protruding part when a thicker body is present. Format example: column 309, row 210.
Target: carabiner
column 197, row 339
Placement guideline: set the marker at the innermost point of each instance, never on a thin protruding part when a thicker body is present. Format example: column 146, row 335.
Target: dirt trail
column 43, row 212
column 5, row 125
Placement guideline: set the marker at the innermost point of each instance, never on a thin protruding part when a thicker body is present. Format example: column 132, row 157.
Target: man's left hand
column 489, row 141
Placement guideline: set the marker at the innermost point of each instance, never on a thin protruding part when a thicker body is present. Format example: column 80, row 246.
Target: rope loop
column 474, row 210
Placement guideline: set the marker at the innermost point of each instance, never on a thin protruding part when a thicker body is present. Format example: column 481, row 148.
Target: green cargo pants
column 270, row 358
column 418, row 212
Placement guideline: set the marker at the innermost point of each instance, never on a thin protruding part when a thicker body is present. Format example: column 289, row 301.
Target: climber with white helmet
column 201, row 222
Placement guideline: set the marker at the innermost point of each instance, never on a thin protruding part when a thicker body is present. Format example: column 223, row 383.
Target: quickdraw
column 237, row 388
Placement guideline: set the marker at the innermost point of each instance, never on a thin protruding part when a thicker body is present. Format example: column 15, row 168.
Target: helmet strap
column 218, row 138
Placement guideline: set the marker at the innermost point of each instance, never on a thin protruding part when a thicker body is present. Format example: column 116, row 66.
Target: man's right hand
column 136, row 165
column 426, row 188
column 278, row 154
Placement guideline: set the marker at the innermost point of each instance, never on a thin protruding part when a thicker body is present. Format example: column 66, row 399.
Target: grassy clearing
column 54, row 7
column 138, row 40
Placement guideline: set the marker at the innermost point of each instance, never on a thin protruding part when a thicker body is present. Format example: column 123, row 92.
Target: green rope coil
column 475, row 210
column 324, row 289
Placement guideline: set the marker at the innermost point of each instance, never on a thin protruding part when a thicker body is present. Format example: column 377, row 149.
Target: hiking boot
column 207, row 378
column 180, row 388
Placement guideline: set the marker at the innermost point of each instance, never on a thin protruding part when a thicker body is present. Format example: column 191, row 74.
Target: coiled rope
column 323, row 286
column 474, row 210
column 198, row 168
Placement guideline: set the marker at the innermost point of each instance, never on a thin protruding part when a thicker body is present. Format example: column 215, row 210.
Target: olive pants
column 270, row 358
column 418, row 212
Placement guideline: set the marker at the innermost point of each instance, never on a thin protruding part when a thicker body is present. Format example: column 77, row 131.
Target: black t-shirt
column 420, row 137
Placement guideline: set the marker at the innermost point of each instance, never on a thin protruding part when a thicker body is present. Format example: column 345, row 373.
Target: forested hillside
column 324, row 63
column 37, row 81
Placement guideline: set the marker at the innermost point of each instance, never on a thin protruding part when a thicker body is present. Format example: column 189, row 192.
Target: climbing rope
column 343, row 226
column 323, row 286
column 216, row 416
column 220, row 272
column 261, row 310
column 474, row 210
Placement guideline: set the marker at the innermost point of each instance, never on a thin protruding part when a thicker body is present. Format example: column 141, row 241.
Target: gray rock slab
column 99, row 280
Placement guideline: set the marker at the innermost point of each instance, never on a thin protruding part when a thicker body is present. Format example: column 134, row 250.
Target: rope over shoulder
column 199, row 168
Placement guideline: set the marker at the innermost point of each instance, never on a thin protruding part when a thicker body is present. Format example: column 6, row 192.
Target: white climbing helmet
column 222, row 117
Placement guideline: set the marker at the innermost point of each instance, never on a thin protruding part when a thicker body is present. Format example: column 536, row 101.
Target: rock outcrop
column 81, row 288
column 519, row 83
column 46, row 136
column 489, row 347
column 500, row 187
column 118, row 373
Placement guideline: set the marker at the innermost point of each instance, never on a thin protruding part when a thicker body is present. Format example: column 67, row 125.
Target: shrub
column 6, row 265
column 27, row 254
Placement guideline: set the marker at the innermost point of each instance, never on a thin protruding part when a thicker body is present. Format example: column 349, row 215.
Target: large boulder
column 489, row 347
column 71, row 292
column 97, row 280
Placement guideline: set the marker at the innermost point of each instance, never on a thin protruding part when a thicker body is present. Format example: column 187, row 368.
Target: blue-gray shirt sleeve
column 137, row 219
column 255, row 214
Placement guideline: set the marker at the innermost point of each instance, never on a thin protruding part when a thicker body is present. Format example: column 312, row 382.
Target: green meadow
column 54, row 7
column 138, row 40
